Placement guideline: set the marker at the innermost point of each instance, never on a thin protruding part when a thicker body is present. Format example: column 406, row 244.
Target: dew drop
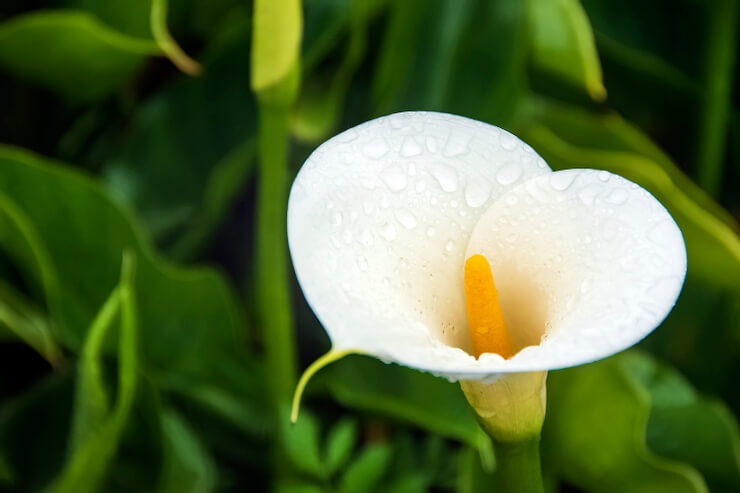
column 507, row 141
column 375, row 149
column 406, row 219
column 450, row 245
column 431, row 232
column 336, row 219
column 367, row 238
column 456, row 144
column 410, row 148
column 617, row 197
column 431, row 144
column 509, row 174
column 561, row 181
column 347, row 236
column 394, row 178
column 421, row 185
column 477, row 193
column 362, row 263
column 347, row 157
column 604, row 175
column 388, row 231
column 445, row 176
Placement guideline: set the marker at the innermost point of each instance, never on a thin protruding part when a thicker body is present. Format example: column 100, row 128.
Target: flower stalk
column 511, row 410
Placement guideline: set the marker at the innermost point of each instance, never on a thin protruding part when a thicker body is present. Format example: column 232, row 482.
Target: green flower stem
column 720, row 56
column 511, row 410
column 272, row 253
column 518, row 466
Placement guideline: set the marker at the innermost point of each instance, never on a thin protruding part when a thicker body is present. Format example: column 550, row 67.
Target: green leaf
column 365, row 473
column 571, row 138
column 24, row 320
column 318, row 109
column 339, row 445
column 185, row 314
column 181, row 173
column 418, row 398
column 130, row 17
column 276, row 41
column 300, row 443
column 94, row 449
column 595, row 432
column 563, row 43
column 187, row 468
column 71, row 53
column 92, row 404
column 685, row 426
column 292, row 486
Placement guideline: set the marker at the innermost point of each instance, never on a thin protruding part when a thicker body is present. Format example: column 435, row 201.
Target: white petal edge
column 379, row 218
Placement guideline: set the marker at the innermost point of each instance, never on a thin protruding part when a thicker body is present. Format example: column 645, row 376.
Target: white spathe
column 382, row 217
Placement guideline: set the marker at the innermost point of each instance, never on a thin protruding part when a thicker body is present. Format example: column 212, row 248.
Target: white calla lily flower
column 382, row 218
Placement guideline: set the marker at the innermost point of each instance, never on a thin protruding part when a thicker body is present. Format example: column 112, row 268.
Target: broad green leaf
column 685, row 426
column 187, row 467
column 563, row 43
column 418, row 398
column 181, row 173
column 275, row 42
column 94, row 449
column 569, row 138
column 339, row 445
column 300, row 443
column 71, row 53
column 130, row 17
column 595, row 432
column 189, row 319
column 364, row 474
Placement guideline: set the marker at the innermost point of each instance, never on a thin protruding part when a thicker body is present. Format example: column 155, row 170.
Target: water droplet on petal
column 477, row 193
column 431, row 232
column 617, row 197
column 507, row 141
column 431, row 143
column 509, row 174
column 445, row 176
column 388, row 231
column 604, row 175
column 362, row 263
column 336, row 219
column 394, row 178
column 406, row 218
column 367, row 238
column 347, row 236
column 450, row 245
column 375, row 149
column 409, row 147
column 421, row 185
column 561, row 181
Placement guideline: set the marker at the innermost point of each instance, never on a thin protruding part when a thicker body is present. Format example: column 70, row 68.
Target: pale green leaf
column 563, row 43
column 71, row 53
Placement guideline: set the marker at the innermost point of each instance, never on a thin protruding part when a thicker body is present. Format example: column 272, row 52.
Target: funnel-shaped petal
column 382, row 217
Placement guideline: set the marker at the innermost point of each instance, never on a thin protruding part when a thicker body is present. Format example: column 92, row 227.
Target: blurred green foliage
column 127, row 366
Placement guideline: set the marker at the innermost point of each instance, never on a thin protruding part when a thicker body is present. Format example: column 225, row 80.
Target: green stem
column 720, row 57
column 272, row 253
column 518, row 466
